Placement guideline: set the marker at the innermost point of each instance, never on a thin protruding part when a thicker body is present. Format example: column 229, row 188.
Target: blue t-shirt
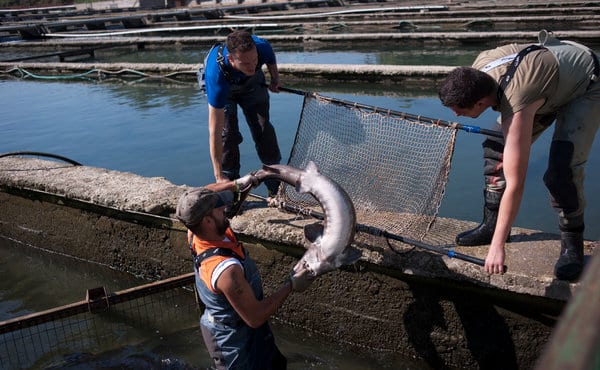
column 217, row 84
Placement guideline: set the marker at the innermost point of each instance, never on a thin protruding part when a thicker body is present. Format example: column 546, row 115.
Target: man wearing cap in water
column 234, row 323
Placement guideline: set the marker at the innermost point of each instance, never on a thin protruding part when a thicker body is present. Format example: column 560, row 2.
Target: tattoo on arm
column 237, row 287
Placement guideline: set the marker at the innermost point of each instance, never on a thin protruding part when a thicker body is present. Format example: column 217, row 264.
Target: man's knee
column 559, row 176
column 492, row 164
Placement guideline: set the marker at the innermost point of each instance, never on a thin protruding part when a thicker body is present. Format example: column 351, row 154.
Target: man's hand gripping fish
column 328, row 243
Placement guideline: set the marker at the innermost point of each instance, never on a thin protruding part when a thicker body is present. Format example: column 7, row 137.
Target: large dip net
column 393, row 165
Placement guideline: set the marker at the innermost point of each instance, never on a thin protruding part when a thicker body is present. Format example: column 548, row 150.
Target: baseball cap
column 194, row 204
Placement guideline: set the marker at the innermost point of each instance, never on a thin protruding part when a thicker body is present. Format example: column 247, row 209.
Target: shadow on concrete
column 488, row 337
column 533, row 237
column 492, row 320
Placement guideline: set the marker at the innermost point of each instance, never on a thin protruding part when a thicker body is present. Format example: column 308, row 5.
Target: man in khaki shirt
column 553, row 81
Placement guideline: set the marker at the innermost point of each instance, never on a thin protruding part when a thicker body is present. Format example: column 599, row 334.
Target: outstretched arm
column 274, row 72
column 216, row 121
column 239, row 293
column 517, row 132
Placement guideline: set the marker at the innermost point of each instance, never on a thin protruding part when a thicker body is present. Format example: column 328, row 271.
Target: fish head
column 317, row 264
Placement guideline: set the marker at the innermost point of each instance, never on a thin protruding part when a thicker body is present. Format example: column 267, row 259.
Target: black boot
column 483, row 233
column 570, row 262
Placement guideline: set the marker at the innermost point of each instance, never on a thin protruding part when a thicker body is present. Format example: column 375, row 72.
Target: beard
column 222, row 226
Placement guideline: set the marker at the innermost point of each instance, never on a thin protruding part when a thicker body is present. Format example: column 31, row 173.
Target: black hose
column 40, row 154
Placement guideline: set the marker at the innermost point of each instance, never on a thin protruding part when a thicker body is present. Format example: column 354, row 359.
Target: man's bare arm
column 216, row 121
column 239, row 293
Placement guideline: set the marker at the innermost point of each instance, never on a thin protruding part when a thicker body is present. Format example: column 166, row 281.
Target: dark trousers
column 253, row 99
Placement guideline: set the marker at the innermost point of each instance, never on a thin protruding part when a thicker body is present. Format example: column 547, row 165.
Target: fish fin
column 311, row 170
column 349, row 256
column 312, row 167
column 313, row 232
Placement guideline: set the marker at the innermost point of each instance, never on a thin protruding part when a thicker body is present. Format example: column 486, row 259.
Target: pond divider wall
column 415, row 303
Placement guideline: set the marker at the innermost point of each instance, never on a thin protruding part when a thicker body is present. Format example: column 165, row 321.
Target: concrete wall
column 110, row 4
column 416, row 304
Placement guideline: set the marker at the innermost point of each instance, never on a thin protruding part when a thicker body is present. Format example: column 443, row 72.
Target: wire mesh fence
column 99, row 323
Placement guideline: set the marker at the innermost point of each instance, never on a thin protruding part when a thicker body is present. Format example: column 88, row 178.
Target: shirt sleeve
column 220, row 268
column 217, row 86
column 265, row 51
column 533, row 79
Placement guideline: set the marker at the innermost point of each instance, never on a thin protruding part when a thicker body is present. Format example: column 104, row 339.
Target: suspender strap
column 515, row 63
column 224, row 252
column 222, row 66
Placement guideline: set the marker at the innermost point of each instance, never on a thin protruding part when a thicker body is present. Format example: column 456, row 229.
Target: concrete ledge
column 421, row 76
column 530, row 255
column 409, row 302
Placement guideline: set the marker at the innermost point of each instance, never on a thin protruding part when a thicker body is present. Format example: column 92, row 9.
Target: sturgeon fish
column 327, row 242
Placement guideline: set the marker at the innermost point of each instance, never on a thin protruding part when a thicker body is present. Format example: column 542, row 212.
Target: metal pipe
column 466, row 128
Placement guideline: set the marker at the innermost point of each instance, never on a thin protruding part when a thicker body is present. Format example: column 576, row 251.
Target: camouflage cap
column 196, row 203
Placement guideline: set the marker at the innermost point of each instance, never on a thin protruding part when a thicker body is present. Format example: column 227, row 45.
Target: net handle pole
column 294, row 91
column 466, row 128
column 379, row 232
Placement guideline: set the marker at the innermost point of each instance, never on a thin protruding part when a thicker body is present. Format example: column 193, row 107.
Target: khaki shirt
column 536, row 77
column 558, row 74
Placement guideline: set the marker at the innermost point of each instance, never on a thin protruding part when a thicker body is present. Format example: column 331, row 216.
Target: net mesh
column 394, row 166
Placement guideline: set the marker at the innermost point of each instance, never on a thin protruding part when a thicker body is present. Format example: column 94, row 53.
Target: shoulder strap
column 515, row 63
column 224, row 252
column 217, row 252
column 222, row 66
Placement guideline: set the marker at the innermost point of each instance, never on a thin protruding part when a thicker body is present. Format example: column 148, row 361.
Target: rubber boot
column 483, row 233
column 570, row 262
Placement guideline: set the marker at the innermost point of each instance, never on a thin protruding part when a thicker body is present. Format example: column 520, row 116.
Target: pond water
column 34, row 280
column 160, row 129
column 156, row 129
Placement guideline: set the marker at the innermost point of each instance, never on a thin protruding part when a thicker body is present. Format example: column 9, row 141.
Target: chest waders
column 229, row 341
column 559, row 176
column 493, row 149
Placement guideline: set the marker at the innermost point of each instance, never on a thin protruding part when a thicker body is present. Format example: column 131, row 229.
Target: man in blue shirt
column 233, row 76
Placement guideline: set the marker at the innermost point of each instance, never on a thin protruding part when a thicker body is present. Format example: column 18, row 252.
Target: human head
column 464, row 88
column 197, row 203
column 242, row 52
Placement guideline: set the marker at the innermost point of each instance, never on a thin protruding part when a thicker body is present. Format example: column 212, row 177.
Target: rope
column 23, row 73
